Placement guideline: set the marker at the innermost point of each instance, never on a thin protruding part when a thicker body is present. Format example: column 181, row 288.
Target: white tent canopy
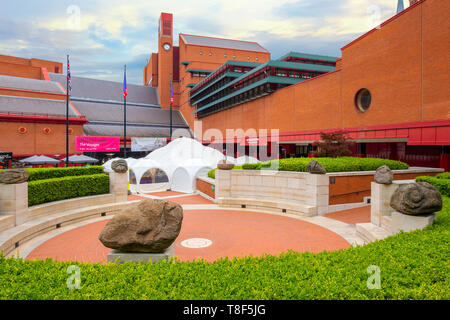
column 154, row 174
column 181, row 150
column 175, row 166
column 184, row 178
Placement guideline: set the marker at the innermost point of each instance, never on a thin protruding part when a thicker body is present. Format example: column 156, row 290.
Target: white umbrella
column 39, row 160
column 81, row 159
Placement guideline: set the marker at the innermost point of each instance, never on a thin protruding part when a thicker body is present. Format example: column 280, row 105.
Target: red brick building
column 390, row 90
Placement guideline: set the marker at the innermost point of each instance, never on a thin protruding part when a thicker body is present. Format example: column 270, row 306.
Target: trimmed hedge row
column 43, row 191
column 443, row 175
column 51, row 173
column 443, row 185
column 341, row 164
column 412, row 265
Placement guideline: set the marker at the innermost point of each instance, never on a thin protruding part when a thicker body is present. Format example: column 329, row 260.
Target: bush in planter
column 443, row 175
column 212, row 173
column 443, row 185
column 43, row 191
column 339, row 164
column 50, row 173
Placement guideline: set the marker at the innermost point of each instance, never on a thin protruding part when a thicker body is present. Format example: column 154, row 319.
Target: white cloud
column 113, row 31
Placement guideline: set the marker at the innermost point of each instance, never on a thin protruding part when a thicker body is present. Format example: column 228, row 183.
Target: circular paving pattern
column 196, row 243
column 232, row 233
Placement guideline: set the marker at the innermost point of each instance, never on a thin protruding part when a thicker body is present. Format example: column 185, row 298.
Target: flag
column 171, row 92
column 68, row 75
column 125, row 93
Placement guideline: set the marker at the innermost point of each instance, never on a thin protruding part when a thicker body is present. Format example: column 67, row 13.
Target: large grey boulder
column 384, row 175
column 14, row 176
column 416, row 199
column 315, row 167
column 150, row 226
column 119, row 166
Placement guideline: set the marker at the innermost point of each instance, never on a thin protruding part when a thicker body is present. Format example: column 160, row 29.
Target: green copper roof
column 185, row 62
column 191, row 85
column 300, row 66
column 241, row 63
column 232, row 63
column 199, row 70
column 227, row 74
column 308, row 56
column 270, row 79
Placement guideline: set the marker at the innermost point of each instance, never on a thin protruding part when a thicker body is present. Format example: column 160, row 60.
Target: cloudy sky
column 103, row 35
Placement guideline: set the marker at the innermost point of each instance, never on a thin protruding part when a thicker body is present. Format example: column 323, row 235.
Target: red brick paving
column 351, row 216
column 234, row 234
column 166, row 193
column 192, row 199
column 132, row 197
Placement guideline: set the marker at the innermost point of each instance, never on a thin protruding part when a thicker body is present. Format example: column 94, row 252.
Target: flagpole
column 171, row 104
column 125, row 118
column 67, row 114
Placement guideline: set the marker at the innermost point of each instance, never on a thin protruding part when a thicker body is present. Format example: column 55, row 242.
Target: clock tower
column 165, row 58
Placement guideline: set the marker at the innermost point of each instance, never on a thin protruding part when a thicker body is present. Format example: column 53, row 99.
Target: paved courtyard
column 226, row 232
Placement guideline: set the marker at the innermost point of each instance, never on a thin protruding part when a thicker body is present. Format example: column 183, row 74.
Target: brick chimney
column 411, row 2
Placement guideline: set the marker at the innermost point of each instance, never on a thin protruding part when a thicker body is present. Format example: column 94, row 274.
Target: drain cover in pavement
column 196, row 243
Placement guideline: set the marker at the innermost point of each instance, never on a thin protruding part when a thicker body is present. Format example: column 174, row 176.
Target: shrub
column 443, row 185
column 341, row 164
column 50, row 173
column 252, row 166
column 212, row 173
column 413, row 266
column 443, row 175
column 43, row 191
column 330, row 164
column 334, row 144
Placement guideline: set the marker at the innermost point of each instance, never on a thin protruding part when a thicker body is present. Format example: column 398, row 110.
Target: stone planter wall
column 14, row 208
column 386, row 221
column 289, row 192
column 352, row 187
column 301, row 192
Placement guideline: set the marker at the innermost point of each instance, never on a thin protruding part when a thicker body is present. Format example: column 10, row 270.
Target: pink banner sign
column 97, row 144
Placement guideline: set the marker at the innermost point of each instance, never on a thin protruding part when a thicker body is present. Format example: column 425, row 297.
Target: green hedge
column 212, row 173
column 341, row 164
column 444, row 175
column 43, row 191
column 443, row 185
column 51, row 173
column 413, row 265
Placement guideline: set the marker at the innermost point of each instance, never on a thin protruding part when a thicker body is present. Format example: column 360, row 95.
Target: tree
column 334, row 144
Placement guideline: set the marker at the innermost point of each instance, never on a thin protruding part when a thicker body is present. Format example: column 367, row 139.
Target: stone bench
column 284, row 207
column 13, row 237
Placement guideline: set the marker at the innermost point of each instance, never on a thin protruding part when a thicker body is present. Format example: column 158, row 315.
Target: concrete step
column 370, row 232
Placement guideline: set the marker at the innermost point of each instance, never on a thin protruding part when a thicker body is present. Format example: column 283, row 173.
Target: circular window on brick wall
column 363, row 99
